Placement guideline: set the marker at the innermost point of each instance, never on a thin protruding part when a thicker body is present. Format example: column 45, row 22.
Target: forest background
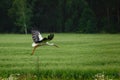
column 79, row 16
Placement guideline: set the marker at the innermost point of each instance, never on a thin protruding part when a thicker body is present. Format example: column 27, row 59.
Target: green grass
column 79, row 56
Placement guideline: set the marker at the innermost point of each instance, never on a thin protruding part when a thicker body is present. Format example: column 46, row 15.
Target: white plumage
column 40, row 36
column 38, row 40
column 34, row 44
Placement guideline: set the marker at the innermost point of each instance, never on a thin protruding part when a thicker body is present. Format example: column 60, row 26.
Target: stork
column 38, row 40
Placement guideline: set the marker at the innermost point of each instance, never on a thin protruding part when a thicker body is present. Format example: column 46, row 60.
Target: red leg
column 56, row 46
column 34, row 50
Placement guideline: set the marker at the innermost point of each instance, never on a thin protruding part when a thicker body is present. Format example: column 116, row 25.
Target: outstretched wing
column 50, row 37
column 36, row 36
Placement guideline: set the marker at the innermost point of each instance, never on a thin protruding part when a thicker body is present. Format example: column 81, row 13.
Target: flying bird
column 38, row 40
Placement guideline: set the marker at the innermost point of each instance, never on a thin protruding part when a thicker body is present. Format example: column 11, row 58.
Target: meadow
column 79, row 57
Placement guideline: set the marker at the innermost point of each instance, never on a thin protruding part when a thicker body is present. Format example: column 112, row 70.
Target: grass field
column 79, row 57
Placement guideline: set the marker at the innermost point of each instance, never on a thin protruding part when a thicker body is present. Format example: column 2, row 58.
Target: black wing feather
column 50, row 37
column 35, row 36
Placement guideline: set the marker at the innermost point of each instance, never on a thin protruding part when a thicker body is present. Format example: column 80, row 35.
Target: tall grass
column 80, row 56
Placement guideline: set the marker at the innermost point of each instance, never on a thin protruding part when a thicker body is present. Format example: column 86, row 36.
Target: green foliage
column 5, row 21
column 21, row 13
column 79, row 56
column 68, row 25
column 87, row 23
column 83, row 16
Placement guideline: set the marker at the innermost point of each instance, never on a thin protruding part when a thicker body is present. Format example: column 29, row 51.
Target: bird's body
column 38, row 40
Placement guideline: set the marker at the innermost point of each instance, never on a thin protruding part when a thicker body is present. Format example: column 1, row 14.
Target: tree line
column 80, row 16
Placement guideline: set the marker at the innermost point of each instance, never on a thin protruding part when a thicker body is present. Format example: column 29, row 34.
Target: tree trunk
column 118, row 22
column 64, row 15
column 108, row 18
column 25, row 28
column 118, row 16
column 24, row 23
